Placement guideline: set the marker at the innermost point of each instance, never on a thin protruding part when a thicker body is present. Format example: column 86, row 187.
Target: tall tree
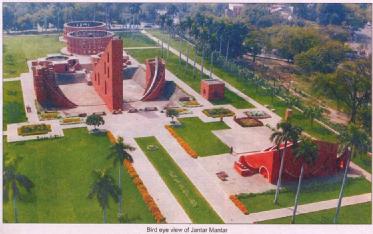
column 307, row 152
column 285, row 133
column 356, row 141
column 13, row 180
column 119, row 153
column 350, row 84
column 254, row 43
column 103, row 187
column 312, row 113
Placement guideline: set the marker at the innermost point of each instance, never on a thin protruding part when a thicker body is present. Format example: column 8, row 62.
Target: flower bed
column 239, row 204
column 34, row 129
column 191, row 103
column 149, row 201
column 111, row 137
column 257, row 114
column 49, row 115
column 248, row 122
column 218, row 112
column 182, row 142
column 71, row 120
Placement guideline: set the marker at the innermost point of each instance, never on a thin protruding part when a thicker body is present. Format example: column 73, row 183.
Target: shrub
column 148, row 199
column 218, row 112
column 239, row 204
column 182, row 142
column 34, row 129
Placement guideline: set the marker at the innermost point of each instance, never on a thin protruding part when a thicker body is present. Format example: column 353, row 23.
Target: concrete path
column 209, row 188
column 29, row 96
column 307, row 208
column 165, row 200
column 11, row 79
column 275, row 118
column 361, row 171
column 141, row 48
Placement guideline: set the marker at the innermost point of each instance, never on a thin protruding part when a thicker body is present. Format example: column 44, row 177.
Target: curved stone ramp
column 57, row 97
column 155, row 79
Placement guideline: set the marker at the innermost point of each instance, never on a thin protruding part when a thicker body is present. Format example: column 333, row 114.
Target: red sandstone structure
column 212, row 89
column 59, row 63
column 267, row 163
column 82, row 25
column 88, row 42
column 47, row 91
column 107, row 74
column 155, row 79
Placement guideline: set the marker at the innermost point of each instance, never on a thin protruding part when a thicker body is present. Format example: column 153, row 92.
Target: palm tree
column 313, row 113
column 103, row 188
column 356, row 141
column 307, row 152
column 285, row 132
column 118, row 153
column 13, row 180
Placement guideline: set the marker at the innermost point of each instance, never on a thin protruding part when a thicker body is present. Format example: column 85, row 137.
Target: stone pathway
column 141, row 48
column 307, row 208
column 167, row 203
column 11, row 79
column 12, row 133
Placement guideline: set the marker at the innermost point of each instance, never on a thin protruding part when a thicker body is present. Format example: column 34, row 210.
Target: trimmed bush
column 34, row 129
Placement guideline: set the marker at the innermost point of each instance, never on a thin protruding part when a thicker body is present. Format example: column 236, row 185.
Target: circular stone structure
column 57, row 58
column 82, row 25
column 88, row 42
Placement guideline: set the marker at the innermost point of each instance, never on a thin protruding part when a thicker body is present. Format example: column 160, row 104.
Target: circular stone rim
column 108, row 34
column 73, row 24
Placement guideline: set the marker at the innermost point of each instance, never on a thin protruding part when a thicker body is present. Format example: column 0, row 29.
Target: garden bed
column 190, row 103
column 218, row 112
column 35, row 129
column 248, row 122
column 257, row 114
column 71, row 120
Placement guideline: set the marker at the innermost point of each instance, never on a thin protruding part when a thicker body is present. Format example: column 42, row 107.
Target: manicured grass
column 312, row 192
column 194, row 204
column 353, row 214
column 61, row 170
column 186, row 75
column 259, row 94
column 136, row 40
column 364, row 161
column 13, row 106
column 18, row 49
column 199, row 136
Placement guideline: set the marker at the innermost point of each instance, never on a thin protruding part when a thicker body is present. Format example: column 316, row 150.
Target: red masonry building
column 88, row 42
column 82, row 25
column 212, row 89
column 107, row 74
column 155, row 79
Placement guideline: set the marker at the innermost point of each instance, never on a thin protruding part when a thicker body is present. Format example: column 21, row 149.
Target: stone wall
column 107, row 75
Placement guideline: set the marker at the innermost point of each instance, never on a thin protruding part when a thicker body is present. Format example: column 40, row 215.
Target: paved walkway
column 165, row 200
column 11, row 79
column 29, row 96
column 141, row 48
column 307, row 208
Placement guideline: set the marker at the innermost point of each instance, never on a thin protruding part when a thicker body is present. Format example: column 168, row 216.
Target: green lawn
column 18, row 49
column 194, row 204
column 136, row 40
column 260, row 95
column 312, row 192
column 13, row 107
column 61, row 170
column 364, row 161
column 186, row 75
column 199, row 136
column 353, row 214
